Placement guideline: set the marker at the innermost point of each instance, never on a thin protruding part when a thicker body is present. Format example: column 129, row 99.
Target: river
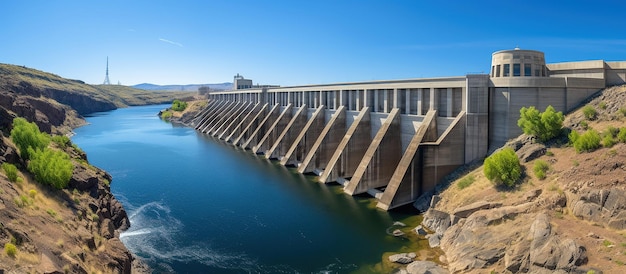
column 199, row 205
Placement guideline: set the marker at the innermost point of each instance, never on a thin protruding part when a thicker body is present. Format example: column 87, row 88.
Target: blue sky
column 298, row 42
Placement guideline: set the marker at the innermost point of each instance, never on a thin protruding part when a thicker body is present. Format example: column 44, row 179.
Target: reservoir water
column 198, row 205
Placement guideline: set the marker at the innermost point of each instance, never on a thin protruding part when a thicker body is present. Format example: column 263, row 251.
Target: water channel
column 199, row 205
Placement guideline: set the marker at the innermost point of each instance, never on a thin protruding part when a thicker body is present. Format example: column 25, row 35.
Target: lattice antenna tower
column 106, row 78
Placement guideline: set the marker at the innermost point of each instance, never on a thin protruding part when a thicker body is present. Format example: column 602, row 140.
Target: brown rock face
column 48, row 115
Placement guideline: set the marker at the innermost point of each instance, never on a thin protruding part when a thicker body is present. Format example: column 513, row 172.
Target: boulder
column 434, row 240
column 516, row 257
column 465, row 211
column 437, row 221
column 425, row 267
column 397, row 233
column 550, row 251
column 618, row 222
column 402, row 258
column 616, row 200
column 531, row 195
column 529, row 152
column 423, row 202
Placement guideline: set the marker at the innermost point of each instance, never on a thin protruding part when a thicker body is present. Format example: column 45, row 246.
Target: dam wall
column 397, row 139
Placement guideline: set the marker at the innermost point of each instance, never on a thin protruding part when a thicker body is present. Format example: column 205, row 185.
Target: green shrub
column 61, row 140
column 602, row 105
column 549, row 153
column 166, row 115
column 32, row 193
column 622, row 111
column 540, row 168
column 590, row 112
column 573, row 136
column 588, row 141
column 611, row 131
column 608, row 141
column 10, row 249
column 621, row 135
column 178, row 105
column 51, row 167
column 27, row 135
column 544, row 126
column 466, row 181
column 11, row 171
column 503, row 168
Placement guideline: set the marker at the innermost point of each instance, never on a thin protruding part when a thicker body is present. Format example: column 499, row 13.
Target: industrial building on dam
column 396, row 139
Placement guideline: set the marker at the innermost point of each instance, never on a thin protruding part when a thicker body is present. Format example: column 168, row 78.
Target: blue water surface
column 199, row 205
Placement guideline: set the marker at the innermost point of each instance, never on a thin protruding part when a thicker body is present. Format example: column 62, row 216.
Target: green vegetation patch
column 51, row 167
column 590, row 112
column 27, row 135
column 166, row 114
column 503, row 168
column 587, row 142
column 621, row 135
column 608, row 141
column 540, row 168
column 10, row 249
column 11, row 171
column 545, row 125
column 466, row 181
column 178, row 105
column 62, row 141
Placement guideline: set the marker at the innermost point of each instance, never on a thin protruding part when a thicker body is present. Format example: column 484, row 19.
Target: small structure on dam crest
column 396, row 139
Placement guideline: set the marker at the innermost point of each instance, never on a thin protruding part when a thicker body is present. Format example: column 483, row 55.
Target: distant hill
column 192, row 87
column 83, row 98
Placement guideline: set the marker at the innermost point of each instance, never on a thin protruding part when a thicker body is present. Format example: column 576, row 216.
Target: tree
column 503, row 168
column 178, row 105
column 25, row 135
column 545, row 125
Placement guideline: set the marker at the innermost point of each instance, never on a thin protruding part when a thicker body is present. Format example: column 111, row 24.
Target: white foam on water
column 152, row 236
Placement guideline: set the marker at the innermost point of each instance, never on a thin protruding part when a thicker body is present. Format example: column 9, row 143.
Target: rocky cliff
column 71, row 230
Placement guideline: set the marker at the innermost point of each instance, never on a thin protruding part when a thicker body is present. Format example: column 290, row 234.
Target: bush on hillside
column 10, row 249
column 178, row 105
column 540, row 168
column 545, row 125
column 61, row 140
column 590, row 112
column 27, row 135
column 588, row 141
column 503, row 168
column 613, row 131
column 608, row 141
column 166, row 114
column 51, row 167
column 11, row 171
column 621, row 136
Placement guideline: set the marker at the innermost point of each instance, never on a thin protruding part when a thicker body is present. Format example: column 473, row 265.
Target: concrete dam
column 397, row 139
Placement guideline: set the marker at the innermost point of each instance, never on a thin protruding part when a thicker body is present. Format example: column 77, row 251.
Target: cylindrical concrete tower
column 518, row 63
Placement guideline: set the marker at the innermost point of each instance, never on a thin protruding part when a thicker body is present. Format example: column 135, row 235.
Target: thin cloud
column 171, row 42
